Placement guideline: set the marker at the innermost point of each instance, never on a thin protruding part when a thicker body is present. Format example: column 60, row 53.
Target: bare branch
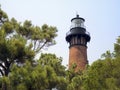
column 34, row 44
column 1, row 72
column 43, row 45
column 2, row 66
column 39, row 43
column 39, row 48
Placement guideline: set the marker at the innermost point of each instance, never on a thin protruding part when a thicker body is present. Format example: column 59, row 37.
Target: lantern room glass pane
column 77, row 23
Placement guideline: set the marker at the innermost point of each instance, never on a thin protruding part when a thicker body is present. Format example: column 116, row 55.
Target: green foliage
column 104, row 74
column 7, row 27
column 3, row 14
column 53, row 61
column 117, row 48
column 38, row 76
column 21, row 41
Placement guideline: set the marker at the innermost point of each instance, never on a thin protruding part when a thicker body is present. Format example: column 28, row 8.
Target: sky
column 102, row 20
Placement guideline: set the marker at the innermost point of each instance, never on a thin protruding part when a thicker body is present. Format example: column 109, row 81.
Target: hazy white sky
column 102, row 20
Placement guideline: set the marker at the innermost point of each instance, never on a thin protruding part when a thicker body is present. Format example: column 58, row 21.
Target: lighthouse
column 77, row 37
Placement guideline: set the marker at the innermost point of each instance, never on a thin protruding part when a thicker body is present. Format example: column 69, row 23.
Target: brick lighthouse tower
column 77, row 38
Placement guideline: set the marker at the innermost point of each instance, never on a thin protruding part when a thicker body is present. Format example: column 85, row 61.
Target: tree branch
column 1, row 72
column 39, row 48
column 2, row 66
column 34, row 45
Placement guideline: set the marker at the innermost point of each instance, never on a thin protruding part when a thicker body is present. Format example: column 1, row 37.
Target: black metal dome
column 77, row 29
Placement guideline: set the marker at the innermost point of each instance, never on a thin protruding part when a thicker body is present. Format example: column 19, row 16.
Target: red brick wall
column 78, row 56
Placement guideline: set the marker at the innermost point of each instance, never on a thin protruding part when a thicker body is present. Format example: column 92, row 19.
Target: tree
column 40, row 76
column 21, row 41
column 104, row 74
column 117, row 48
column 55, row 71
